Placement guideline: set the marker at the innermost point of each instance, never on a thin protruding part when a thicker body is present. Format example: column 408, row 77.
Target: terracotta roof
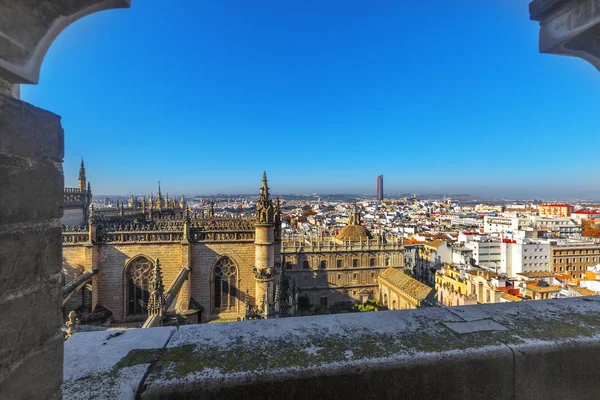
column 584, row 291
column 435, row 243
column 536, row 274
column 412, row 241
column 510, row 297
column 543, row 289
column 405, row 283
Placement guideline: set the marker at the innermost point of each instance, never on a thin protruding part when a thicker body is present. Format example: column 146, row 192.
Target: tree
column 370, row 305
column 591, row 228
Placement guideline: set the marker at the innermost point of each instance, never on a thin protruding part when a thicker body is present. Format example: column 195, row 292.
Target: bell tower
column 264, row 264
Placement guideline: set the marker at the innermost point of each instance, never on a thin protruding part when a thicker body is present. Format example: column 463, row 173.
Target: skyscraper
column 379, row 193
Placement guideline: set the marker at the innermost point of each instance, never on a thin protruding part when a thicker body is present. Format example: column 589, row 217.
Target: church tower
column 82, row 179
column 264, row 269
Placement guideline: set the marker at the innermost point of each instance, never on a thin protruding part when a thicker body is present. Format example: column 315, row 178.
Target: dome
column 354, row 233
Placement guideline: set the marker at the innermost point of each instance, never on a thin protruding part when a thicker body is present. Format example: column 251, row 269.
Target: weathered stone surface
column 547, row 350
column 31, row 191
column 571, row 365
column 24, row 330
column 30, row 132
column 29, row 256
column 31, row 182
column 569, row 27
column 36, row 377
column 92, row 358
column 6, row 87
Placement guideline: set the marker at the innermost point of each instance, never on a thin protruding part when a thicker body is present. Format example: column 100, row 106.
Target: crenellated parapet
column 130, row 226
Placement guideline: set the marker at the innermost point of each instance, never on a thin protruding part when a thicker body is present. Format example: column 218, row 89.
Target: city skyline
column 300, row 97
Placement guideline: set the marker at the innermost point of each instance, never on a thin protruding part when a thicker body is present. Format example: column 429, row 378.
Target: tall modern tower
column 379, row 193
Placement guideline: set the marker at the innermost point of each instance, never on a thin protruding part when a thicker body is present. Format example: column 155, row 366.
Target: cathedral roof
column 354, row 233
column 406, row 284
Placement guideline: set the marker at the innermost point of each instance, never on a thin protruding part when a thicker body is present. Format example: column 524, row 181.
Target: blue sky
column 443, row 97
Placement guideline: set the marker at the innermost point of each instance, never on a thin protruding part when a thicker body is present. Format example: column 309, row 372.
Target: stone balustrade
column 530, row 350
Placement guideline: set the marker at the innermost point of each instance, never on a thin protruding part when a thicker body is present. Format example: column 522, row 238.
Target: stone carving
column 72, row 325
column 157, row 290
column 262, row 274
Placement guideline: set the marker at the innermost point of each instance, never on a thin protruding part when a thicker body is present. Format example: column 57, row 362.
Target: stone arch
column 136, row 284
column 34, row 30
column 224, row 278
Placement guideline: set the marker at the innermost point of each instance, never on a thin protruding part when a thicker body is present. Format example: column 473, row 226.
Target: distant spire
column 159, row 193
column 82, row 178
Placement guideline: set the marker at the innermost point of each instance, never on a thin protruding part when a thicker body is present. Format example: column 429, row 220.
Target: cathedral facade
column 123, row 262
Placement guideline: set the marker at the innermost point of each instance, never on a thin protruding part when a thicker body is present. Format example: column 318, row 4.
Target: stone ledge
column 536, row 349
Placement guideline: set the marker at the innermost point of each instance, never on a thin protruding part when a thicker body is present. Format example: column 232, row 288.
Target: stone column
column 31, row 195
column 264, row 261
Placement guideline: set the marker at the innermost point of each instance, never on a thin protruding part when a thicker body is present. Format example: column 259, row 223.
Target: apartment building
column 574, row 258
column 556, row 209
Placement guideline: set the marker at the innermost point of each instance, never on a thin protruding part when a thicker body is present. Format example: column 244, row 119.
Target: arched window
column 225, row 278
column 138, row 275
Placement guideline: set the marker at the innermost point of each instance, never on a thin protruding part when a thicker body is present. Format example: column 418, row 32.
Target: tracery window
column 225, row 285
column 138, row 275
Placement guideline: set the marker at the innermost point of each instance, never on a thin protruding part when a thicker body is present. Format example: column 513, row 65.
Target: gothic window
column 138, row 275
column 225, row 281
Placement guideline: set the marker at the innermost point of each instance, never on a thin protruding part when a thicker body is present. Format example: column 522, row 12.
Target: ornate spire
column 82, row 177
column 157, row 290
column 264, row 204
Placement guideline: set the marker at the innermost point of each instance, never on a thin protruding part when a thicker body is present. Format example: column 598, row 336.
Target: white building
column 525, row 255
column 487, row 251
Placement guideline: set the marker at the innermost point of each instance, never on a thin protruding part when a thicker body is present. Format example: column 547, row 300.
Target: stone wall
column 200, row 257
column 31, row 182
column 111, row 261
column 204, row 257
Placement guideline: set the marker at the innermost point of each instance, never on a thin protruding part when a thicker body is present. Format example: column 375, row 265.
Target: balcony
column 529, row 350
